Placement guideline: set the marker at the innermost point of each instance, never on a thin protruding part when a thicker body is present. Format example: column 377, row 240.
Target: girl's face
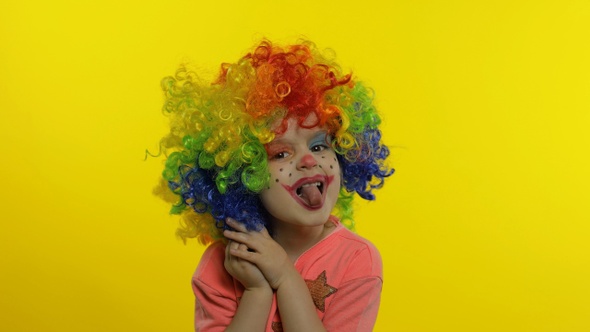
column 304, row 177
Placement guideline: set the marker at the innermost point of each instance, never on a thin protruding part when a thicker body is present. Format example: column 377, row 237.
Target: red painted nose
column 307, row 161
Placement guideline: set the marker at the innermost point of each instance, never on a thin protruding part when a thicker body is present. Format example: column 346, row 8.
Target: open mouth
column 318, row 185
column 310, row 192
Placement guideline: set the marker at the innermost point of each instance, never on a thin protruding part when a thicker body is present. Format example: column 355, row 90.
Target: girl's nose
column 307, row 162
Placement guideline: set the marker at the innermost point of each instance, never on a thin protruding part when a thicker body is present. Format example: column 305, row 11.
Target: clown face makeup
column 304, row 177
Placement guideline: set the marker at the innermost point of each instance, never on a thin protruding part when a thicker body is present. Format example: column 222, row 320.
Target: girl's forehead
column 296, row 130
column 311, row 120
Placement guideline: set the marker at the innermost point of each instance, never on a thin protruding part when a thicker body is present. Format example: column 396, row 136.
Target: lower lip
column 293, row 192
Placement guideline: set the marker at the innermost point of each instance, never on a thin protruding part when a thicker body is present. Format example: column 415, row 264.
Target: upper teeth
column 317, row 184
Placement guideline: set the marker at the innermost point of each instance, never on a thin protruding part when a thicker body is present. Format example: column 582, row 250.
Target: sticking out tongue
column 311, row 195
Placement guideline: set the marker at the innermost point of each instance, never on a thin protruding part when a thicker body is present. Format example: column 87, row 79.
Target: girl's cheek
column 329, row 164
column 281, row 174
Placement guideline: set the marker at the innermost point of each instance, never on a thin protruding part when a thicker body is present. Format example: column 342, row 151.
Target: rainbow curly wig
column 216, row 161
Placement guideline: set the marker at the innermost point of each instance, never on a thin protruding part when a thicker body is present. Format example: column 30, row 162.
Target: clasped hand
column 248, row 251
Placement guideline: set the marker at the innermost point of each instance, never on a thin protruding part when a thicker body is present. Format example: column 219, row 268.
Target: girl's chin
column 309, row 219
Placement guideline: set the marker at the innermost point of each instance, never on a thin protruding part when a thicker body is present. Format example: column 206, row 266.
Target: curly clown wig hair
column 216, row 159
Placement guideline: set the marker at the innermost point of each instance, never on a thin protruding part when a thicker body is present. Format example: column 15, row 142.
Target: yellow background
column 484, row 227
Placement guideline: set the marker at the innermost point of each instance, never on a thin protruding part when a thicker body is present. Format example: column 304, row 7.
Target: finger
column 264, row 232
column 231, row 245
column 234, row 245
column 228, row 256
column 246, row 255
column 236, row 225
column 229, row 242
column 244, row 247
column 236, row 236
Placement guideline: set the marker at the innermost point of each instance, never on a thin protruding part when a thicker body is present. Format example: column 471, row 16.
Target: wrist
column 259, row 289
column 288, row 276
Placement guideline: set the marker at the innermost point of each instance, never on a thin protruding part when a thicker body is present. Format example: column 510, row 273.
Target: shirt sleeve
column 355, row 305
column 215, row 296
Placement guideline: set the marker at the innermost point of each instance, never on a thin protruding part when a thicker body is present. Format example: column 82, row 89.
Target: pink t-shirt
column 343, row 273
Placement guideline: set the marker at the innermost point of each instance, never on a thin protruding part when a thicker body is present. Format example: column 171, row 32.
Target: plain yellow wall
column 484, row 227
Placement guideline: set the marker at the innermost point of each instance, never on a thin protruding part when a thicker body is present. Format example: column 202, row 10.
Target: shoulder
column 363, row 257
column 210, row 272
column 354, row 241
column 211, row 258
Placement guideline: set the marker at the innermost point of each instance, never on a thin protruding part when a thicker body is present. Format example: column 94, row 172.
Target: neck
column 298, row 239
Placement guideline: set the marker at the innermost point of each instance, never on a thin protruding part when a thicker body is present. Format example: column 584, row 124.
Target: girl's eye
column 320, row 142
column 318, row 148
column 281, row 155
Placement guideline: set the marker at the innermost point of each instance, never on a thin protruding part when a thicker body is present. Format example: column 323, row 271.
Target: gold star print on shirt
column 320, row 290
column 277, row 327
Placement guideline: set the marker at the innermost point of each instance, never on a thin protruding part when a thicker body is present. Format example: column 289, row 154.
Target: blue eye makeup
column 320, row 140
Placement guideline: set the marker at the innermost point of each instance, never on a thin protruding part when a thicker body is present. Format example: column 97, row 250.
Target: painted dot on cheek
column 289, row 174
column 276, row 180
column 280, row 170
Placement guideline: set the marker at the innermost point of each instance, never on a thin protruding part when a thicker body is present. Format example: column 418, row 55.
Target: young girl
column 266, row 161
